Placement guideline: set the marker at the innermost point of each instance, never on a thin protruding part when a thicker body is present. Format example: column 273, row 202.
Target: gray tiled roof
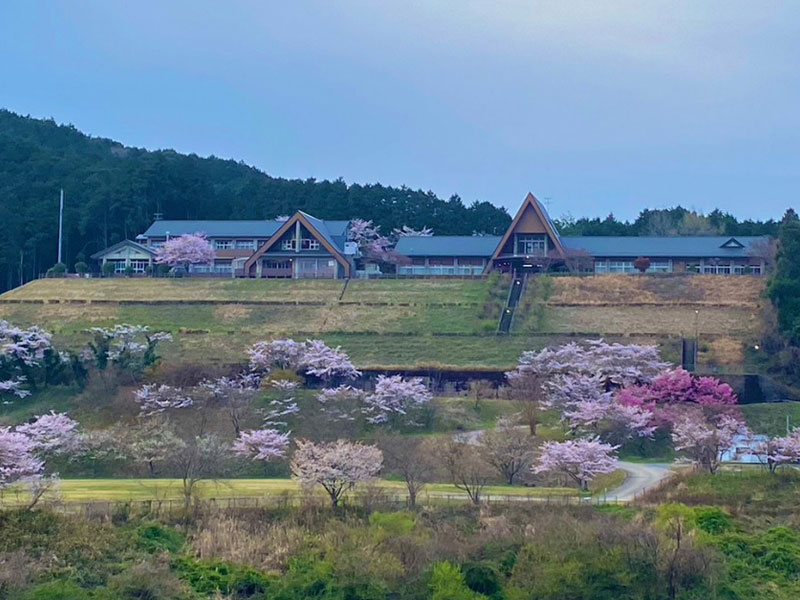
column 447, row 245
column 214, row 228
column 334, row 232
column 110, row 249
column 683, row 246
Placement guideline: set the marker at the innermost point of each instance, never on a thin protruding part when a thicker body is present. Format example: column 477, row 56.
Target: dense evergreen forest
column 113, row 192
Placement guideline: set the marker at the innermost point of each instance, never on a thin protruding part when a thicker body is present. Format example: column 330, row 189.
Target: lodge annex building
column 306, row 247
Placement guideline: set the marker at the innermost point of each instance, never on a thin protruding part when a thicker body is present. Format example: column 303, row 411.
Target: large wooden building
column 303, row 246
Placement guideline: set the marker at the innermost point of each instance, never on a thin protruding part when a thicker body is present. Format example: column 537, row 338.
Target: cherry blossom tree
column 261, row 444
column 582, row 460
column 185, row 250
column 617, row 365
column 24, row 354
column 589, row 409
column 705, row 440
column 670, row 393
column 18, row 461
column 326, row 363
column 335, row 466
column 154, row 445
column 154, row 399
column 284, row 406
column 555, row 377
column 312, row 357
column 368, row 237
column 780, row 451
column 124, row 345
column 52, row 433
column 25, row 449
column 233, row 394
column 283, row 354
column 395, row 397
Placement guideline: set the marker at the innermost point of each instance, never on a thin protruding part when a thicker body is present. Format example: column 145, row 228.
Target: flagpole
column 60, row 223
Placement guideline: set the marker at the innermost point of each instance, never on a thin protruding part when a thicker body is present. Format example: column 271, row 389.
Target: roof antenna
column 547, row 203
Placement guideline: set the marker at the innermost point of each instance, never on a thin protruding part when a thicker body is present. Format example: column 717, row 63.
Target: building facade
column 305, row 247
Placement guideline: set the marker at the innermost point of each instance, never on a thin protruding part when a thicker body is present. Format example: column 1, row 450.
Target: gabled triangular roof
column 732, row 243
column 550, row 229
column 318, row 230
column 122, row 244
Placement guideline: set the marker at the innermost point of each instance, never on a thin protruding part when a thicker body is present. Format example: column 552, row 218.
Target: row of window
column 234, row 244
column 305, row 244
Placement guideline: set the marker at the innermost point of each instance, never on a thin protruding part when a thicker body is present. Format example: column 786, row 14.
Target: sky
column 595, row 107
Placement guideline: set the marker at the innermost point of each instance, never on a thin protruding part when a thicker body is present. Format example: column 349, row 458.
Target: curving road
column 641, row 477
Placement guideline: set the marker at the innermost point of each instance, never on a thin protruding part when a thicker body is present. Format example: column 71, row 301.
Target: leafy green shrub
column 58, row 269
column 108, row 269
column 219, row 577
column 393, row 524
column 81, row 268
column 712, row 519
column 55, row 590
column 448, row 583
column 158, row 538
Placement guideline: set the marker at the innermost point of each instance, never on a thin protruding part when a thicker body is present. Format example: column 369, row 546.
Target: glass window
column 245, row 245
column 661, row 266
column 532, row 245
column 223, row 244
column 309, row 244
column 139, row 266
column 287, row 244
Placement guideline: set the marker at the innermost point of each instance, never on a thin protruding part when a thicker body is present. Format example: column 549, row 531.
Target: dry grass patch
column 232, row 313
column 725, row 351
column 263, row 545
column 417, row 291
column 663, row 320
column 675, row 289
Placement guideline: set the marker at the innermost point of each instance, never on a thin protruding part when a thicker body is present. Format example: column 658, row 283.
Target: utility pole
column 60, row 223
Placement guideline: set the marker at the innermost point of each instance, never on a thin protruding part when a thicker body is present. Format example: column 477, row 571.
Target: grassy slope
column 416, row 330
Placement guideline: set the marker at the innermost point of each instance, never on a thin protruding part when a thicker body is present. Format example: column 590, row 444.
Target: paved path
column 641, row 477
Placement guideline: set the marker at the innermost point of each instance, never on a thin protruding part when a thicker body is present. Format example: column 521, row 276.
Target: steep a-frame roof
column 531, row 202
column 318, row 228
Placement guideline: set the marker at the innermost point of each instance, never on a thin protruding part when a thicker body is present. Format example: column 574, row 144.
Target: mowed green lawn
column 119, row 289
column 121, row 490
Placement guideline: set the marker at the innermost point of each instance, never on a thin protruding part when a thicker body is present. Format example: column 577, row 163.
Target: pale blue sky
column 600, row 106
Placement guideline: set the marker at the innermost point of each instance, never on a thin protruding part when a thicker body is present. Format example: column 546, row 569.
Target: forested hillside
column 113, row 191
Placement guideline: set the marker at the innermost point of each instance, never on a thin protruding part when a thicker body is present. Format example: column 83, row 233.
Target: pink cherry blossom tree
column 25, row 448
column 557, row 376
column 283, row 354
column 582, row 460
column 185, row 250
column 232, row 394
column 670, row 393
column 395, row 397
column 335, row 466
column 284, row 405
column 328, row 364
column 312, row 357
column 125, row 346
column 52, row 434
column 780, row 451
column 261, row 444
column 24, row 357
column 153, row 399
column 705, row 440
column 18, row 461
column 342, row 403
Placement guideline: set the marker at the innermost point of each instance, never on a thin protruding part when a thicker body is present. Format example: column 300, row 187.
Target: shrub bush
column 81, row 268
column 159, row 538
